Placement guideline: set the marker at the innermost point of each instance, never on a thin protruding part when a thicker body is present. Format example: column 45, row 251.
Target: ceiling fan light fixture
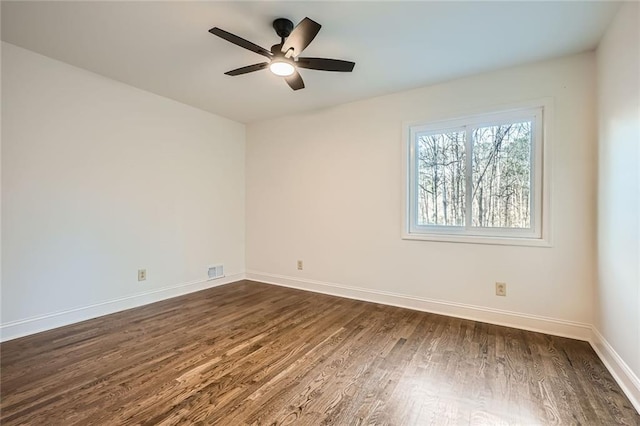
column 282, row 68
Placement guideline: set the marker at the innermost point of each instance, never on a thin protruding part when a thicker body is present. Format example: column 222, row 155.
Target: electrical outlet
column 299, row 265
column 501, row 289
column 142, row 274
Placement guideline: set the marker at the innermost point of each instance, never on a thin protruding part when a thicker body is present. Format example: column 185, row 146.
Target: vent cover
column 216, row 272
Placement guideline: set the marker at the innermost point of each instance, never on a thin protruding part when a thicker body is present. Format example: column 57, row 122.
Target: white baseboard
column 624, row 376
column 556, row 327
column 21, row 328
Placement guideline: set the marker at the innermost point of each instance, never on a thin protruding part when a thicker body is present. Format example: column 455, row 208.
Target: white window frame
column 540, row 112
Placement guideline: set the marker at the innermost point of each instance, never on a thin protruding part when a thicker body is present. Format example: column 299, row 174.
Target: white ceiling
column 164, row 47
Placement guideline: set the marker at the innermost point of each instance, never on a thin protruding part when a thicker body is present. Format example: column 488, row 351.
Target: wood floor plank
column 252, row 353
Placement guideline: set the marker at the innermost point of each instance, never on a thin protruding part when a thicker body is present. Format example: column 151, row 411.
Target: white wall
column 100, row 179
column 618, row 285
column 326, row 188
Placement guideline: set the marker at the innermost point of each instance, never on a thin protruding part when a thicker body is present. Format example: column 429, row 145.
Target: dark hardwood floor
column 251, row 353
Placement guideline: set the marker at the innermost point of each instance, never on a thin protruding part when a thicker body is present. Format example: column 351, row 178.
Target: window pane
column 502, row 176
column 441, row 178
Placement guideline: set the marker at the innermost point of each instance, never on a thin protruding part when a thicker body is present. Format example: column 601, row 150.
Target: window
column 477, row 179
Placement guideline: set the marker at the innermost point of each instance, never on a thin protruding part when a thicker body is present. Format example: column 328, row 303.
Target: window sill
column 474, row 239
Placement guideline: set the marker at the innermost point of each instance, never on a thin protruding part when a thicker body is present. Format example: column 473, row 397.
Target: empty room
column 320, row 212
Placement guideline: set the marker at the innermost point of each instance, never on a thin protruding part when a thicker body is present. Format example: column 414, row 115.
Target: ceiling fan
column 284, row 59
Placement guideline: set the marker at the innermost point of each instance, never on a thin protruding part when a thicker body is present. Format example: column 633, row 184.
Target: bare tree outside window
column 441, row 179
column 478, row 176
column 502, row 176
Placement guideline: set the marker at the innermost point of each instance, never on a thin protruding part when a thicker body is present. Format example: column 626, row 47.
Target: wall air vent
column 216, row 272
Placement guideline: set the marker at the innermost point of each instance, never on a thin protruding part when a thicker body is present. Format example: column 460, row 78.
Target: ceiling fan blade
column 248, row 68
column 301, row 36
column 232, row 38
column 324, row 64
column 295, row 81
